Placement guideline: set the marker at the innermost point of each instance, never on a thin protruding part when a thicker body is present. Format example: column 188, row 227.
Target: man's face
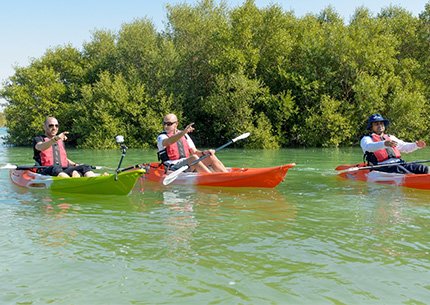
column 170, row 123
column 378, row 127
column 51, row 127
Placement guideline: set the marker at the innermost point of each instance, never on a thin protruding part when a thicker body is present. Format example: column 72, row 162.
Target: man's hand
column 390, row 143
column 421, row 143
column 62, row 136
column 189, row 128
column 209, row 152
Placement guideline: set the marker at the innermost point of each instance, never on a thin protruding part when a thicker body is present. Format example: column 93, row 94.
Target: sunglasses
column 169, row 123
column 52, row 125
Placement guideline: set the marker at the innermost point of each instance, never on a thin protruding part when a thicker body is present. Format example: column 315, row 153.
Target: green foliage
column 2, row 120
column 228, row 110
column 262, row 136
column 309, row 81
column 100, row 55
column 33, row 94
column 326, row 125
column 118, row 109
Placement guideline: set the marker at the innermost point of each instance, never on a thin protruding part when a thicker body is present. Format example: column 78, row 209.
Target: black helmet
column 376, row 118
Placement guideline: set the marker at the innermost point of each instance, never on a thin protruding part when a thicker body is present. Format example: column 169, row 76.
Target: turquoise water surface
column 315, row 239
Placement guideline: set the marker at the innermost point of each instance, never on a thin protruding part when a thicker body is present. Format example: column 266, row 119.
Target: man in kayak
column 176, row 148
column 380, row 148
column 49, row 151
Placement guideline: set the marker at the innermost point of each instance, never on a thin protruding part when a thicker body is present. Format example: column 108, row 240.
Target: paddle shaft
column 385, row 165
column 208, row 155
column 138, row 166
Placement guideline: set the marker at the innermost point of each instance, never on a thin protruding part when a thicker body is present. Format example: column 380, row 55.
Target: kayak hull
column 416, row 181
column 268, row 177
column 106, row 185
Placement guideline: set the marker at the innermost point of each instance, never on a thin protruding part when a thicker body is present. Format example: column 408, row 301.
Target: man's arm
column 41, row 146
column 408, row 147
column 175, row 138
column 367, row 144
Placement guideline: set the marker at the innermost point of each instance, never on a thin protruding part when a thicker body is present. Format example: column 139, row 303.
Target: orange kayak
column 353, row 172
column 266, row 177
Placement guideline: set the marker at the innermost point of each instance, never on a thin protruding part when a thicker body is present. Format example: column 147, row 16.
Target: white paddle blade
column 9, row 166
column 172, row 177
column 241, row 137
column 352, row 169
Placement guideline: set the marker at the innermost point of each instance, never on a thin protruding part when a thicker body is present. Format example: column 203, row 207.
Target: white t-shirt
column 367, row 144
column 160, row 146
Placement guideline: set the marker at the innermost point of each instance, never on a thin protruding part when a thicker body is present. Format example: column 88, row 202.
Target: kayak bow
column 106, row 185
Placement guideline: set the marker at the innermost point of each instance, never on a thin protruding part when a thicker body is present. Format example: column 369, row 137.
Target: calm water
column 312, row 240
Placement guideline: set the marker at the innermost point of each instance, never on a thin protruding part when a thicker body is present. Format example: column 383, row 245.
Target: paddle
column 350, row 169
column 138, row 166
column 171, row 177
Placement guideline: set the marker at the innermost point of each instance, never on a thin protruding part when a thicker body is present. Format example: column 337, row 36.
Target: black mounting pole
column 120, row 140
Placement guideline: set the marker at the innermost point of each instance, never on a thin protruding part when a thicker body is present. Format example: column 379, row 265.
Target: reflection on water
column 54, row 218
column 180, row 223
column 182, row 209
column 313, row 239
column 267, row 201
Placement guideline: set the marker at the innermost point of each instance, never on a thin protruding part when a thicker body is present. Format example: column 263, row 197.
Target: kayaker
column 176, row 148
column 49, row 151
column 380, row 148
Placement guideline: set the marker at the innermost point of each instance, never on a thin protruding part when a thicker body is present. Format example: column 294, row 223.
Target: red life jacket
column 178, row 150
column 385, row 153
column 54, row 155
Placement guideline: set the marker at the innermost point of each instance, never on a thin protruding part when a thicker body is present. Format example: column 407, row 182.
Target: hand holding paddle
column 171, row 177
column 390, row 143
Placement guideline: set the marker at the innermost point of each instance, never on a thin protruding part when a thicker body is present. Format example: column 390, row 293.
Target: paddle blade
column 241, row 137
column 9, row 166
column 172, row 177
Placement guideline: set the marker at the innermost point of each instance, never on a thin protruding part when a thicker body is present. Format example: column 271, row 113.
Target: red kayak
column 353, row 172
column 266, row 177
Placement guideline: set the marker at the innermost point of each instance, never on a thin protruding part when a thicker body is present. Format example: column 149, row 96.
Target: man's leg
column 214, row 163
column 417, row 168
column 200, row 167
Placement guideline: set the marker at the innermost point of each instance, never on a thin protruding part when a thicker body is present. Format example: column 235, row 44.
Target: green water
column 314, row 239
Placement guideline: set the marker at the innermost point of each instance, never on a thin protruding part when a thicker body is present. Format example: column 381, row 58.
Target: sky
column 29, row 27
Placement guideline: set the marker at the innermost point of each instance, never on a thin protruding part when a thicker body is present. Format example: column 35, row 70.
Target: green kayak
column 107, row 185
